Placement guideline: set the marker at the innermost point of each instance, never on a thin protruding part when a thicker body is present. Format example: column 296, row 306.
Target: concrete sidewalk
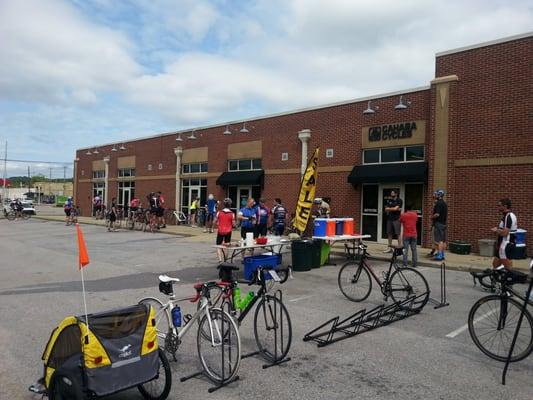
column 470, row 262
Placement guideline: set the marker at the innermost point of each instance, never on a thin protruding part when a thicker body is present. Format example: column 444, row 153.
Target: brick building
column 468, row 132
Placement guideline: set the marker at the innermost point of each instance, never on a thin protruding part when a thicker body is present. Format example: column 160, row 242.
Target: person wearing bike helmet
column 225, row 220
column 67, row 208
column 439, row 217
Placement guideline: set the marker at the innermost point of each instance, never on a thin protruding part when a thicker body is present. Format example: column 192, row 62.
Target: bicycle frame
column 382, row 283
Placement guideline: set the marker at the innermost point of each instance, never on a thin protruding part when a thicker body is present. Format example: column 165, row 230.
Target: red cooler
column 348, row 226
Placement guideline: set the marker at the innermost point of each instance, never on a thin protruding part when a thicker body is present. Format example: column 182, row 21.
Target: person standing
column 507, row 225
column 211, row 207
column 408, row 219
column 192, row 212
column 279, row 217
column 393, row 209
column 161, row 211
column 67, row 208
column 439, row 217
column 247, row 217
column 263, row 214
column 112, row 215
column 225, row 220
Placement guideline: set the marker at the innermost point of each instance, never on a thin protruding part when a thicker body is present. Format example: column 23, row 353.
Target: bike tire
column 11, row 215
column 413, row 284
column 63, row 386
column 165, row 372
column 215, row 300
column 484, row 319
column 354, row 281
column 25, row 216
column 271, row 316
column 221, row 361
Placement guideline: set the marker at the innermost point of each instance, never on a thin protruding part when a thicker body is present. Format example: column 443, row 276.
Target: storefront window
column 99, row 174
column 194, row 168
column 414, row 153
column 126, row 172
column 371, row 156
column 392, row 155
column 244, row 165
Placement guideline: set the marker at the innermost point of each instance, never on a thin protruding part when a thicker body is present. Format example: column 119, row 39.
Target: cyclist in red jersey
column 225, row 220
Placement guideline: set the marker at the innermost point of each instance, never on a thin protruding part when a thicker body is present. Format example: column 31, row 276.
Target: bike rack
column 218, row 385
column 278, row 339
column 443, row 302
column 362, row 321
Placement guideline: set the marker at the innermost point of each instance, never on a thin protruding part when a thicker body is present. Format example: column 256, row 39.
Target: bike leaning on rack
column 218, row 340
column 272, row 323
column 399, row 283
column 493, row 319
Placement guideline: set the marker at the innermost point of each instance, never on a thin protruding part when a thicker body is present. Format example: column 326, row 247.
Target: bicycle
column 492, row 320
column 150, row 219
column 399, row 283
column 12, row 215
column 272, row 323
column 218, row 340
column 177, row 218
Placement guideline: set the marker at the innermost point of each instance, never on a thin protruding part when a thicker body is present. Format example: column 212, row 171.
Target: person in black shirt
column 439, row 217
column 393, row 209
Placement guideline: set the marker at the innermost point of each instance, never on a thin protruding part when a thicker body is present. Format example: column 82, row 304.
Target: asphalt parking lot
column 410, row 359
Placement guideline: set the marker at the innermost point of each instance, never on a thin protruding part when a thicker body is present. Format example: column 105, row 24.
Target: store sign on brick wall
column 394, row 134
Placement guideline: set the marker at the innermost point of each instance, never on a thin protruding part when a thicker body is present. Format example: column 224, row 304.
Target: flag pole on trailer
column 83, row 260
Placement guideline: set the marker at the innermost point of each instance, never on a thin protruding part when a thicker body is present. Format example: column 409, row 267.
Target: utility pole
column 29, row 179
column 5, row 177
column 64, row 179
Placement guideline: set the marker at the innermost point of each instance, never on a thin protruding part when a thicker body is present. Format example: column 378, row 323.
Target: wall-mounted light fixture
column 88, row 152
column 243, row 129
column 401, row 105
column 192, row 137
column 179, row 138
column 114, row 148
column 96, row 151
column 122, row 147
column 227, row 131
column 369, row 109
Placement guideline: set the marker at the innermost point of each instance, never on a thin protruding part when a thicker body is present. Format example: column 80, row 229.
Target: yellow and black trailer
column 116, row 350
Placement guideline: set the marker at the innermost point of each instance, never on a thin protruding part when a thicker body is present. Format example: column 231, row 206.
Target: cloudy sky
column 76, row 73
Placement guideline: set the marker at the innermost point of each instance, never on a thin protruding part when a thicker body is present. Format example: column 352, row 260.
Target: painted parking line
column 465, row 327
column 301, row 298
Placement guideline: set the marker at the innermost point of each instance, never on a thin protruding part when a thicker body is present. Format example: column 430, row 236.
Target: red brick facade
column 490, row 144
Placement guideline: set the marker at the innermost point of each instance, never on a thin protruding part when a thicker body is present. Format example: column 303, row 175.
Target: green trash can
column 316, row 253
column 302, row 252
column 324, row 252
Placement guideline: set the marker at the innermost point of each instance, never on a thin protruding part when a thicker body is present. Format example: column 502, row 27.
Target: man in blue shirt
column 211, row 208
column 248, row 217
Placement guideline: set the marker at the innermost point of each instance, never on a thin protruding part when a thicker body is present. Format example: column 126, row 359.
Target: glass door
column 385, row 196
column 370, row 208
column 243, row 194
column 414, row 195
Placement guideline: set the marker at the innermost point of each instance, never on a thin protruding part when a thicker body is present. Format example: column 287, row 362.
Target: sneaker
column 438, row 258
column 431, row 254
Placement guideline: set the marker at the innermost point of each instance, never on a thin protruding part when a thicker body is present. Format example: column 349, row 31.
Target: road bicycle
column 177, row 218
column 272, row 323
column 493, row 319
column 150, row 221
column 218, row 340
column 73, row 217
column 11, row 214
column 399, row 283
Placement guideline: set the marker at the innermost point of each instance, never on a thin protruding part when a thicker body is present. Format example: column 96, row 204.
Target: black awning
column 241, row 178
column 406, row 172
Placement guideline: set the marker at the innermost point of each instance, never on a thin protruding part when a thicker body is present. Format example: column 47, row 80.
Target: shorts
column 503, row 250
column 279, row 229
column 159, row 212
column 439, row 232
column 393, row 227
column 210, row 217
column 112, row 217
column 223, row 238
column 98, row 207
column 260, row 230
column 67, row 212
column 244, row 231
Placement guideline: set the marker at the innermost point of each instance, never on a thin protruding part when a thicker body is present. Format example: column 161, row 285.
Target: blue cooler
column 320, row 227
column 252, row 263
column 520, row 236
column 339, row 226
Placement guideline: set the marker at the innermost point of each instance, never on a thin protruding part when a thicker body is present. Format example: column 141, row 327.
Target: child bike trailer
column 117, row 352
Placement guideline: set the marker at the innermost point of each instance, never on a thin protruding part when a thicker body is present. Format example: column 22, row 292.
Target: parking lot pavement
column 409, row 359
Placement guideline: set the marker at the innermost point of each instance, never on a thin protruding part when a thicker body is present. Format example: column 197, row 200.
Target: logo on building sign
column 390, row 132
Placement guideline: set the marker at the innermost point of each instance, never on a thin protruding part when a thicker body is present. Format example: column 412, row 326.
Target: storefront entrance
column 239, row 195
column 126, row 192
column 374, row 198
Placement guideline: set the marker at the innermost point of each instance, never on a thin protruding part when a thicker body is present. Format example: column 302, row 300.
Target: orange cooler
column 348, row 226
column 330, row 227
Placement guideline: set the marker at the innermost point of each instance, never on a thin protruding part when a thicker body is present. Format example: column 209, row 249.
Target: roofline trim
column 296, row 111
column 484, row 44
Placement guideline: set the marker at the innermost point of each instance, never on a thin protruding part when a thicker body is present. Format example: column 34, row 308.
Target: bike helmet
column 227, row 202
column 439, row 192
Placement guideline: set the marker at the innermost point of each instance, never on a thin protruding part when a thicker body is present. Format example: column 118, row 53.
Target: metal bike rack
column 278, row 338
column 443, row 302
column 201, row 373
column 362, row 321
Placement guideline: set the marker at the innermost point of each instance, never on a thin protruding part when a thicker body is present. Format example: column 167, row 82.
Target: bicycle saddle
column 166, row 278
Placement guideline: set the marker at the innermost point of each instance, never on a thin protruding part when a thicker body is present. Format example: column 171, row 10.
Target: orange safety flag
column 84, row 256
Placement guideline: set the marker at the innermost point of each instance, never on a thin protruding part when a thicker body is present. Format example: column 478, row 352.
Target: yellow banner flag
column 307, row 193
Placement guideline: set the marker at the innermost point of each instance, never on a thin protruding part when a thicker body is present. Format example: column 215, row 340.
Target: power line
column 38, row 162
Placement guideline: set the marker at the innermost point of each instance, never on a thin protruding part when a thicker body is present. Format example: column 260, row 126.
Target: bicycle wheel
column 64, row 386
column 11, row 215
column 354, row 281
column 272, row 329
column 220, row 351
column 492, row 323
column 25, row 215
column 163, row 323
column 159, row 387
column 215, row 300
column 408, row 282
